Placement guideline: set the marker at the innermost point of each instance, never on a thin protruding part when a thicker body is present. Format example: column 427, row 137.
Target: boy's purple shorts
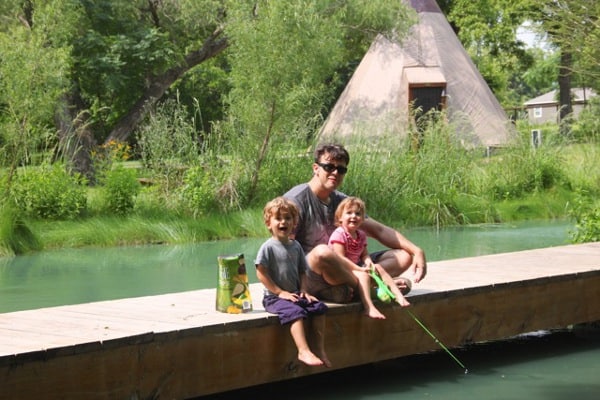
column 288, row 311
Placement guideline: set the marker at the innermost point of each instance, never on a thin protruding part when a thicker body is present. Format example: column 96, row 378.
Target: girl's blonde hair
column 278, row 205
column 346, row 203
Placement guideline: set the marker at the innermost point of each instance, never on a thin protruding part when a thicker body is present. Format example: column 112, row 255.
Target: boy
column 281, row 267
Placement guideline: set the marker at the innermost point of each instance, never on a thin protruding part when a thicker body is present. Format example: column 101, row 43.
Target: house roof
column 580, row 95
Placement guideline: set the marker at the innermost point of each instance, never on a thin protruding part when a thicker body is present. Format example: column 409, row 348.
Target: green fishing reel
column 384, row 293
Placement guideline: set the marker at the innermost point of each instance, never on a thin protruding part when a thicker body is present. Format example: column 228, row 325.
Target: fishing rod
column 386, row 295
column 437, row 340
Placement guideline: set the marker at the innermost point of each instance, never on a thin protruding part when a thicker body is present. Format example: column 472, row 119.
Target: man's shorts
column 318, row 287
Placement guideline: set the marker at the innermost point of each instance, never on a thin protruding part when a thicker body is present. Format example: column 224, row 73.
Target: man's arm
column 393, row 239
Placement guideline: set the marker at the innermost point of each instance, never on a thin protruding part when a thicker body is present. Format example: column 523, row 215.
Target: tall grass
column 15, row 235
column 104, row 231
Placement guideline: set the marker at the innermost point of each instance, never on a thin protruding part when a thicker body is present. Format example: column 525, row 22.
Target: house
column 545, row 108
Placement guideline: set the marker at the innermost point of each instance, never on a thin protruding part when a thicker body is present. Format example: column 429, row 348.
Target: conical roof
column 377, row 99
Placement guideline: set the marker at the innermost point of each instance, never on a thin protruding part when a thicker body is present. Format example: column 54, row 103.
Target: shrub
column 587, row 220
column 120, row 189
column 49, row 192
column 198, row 191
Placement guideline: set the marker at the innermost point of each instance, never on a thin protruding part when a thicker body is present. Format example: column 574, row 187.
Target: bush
column 586, row 127
column 198, row 191
column 49, row 192
column 587, row 220
column 120, row 189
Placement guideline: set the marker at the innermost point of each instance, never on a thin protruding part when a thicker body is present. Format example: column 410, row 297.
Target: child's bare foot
column 308, row 358
column 403, row 302
column 372, row 312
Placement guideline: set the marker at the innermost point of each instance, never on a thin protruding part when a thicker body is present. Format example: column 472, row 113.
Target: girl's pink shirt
column 354, row 247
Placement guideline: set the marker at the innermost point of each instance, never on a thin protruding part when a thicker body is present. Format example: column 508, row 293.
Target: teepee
column 428, row 69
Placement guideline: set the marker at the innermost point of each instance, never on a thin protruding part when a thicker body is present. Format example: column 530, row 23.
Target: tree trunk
column 159, row 84
column 564, row 86
column 75, row 139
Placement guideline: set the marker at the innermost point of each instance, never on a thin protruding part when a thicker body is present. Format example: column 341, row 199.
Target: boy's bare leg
column 364, row 289
column 304, row 353
column 318, row 329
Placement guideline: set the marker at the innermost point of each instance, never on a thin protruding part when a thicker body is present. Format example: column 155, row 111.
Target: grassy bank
column 111, row 231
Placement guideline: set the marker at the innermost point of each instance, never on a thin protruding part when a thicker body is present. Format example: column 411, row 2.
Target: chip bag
column 233, row 292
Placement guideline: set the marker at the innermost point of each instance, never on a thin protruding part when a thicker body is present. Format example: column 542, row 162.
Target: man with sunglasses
column 330, row 277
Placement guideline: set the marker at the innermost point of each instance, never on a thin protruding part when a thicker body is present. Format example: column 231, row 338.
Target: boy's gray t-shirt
column 284, row 262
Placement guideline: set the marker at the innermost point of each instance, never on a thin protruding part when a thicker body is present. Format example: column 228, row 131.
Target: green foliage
column 199, row 190
column 33, row 76
column 120, row 189
column 15, row 236
column 586, row 213
column 417, row 181
column 488, row 30
column 283, row 60
column 48, row 192
column 168, row 144
column 586, row 127
column 521, row 170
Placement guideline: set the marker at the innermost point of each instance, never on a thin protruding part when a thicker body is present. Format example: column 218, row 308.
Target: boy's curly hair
column 278, row 205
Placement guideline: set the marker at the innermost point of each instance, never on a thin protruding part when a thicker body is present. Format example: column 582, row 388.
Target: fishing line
column 385, row 294
column 437, row 340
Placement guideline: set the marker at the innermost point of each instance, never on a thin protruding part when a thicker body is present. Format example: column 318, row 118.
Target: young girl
column 281, row 267
column 351, row 242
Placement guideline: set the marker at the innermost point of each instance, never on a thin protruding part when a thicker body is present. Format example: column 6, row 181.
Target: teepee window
column 427, row 98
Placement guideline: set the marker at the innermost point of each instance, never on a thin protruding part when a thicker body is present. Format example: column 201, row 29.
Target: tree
column 34, row 74
column 565, row 20
column 488, row 31
column 122, row 56
column 282, row 65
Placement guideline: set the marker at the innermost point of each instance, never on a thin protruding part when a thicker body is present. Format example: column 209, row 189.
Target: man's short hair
column 336, row 152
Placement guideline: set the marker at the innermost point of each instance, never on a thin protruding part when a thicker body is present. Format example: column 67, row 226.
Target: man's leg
column 330, row 277
column 331, row 267
column 396, row 262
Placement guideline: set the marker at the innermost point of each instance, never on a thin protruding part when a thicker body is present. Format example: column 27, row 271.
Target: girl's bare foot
column 308, row 358
column 403, row 302
column 372, row 312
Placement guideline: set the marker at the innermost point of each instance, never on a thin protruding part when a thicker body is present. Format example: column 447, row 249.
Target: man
column 330, row 276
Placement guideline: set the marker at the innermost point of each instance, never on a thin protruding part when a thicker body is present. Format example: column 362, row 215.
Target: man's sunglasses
column 330, row 168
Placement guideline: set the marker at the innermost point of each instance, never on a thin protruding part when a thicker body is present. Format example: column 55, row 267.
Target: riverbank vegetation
column 208, row 198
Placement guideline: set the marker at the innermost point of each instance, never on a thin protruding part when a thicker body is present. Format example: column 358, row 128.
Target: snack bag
column 233, row 293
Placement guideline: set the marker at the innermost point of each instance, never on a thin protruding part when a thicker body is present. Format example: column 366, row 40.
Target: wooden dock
column 177, row 346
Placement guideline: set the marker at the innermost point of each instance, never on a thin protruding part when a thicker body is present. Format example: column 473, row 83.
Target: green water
column 74, row 276
column 554, row 366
